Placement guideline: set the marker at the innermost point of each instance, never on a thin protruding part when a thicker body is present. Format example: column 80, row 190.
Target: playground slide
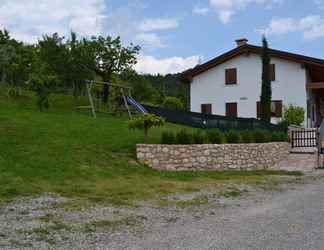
column 136, row 105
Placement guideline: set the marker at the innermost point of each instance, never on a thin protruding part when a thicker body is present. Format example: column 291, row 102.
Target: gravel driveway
column 289, row 219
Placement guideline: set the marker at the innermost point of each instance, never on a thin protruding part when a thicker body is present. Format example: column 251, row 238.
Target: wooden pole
column 89, row 86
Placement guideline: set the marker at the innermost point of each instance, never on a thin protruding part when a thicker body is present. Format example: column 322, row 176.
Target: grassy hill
column 70, row 153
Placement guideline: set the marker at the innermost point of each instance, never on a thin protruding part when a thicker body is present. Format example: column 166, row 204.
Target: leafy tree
column 107, row 56
column 266, row 92
column 293, row 116
column 173, row 103
column 146, row 122
column 42, row 80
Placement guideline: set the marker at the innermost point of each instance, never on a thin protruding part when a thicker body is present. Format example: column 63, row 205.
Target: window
column 206, row 108
column 230, row 76
column 273, row 72
column 231, row 109
column 276, row 109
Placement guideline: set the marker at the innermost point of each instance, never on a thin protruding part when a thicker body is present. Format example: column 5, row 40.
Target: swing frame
column 123, row 90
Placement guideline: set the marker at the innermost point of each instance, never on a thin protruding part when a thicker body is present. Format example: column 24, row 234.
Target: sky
column 174, row 34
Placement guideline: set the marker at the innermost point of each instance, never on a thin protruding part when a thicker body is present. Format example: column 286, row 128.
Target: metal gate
column 304, row 138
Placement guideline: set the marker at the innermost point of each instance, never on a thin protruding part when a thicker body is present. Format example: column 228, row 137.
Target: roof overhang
column 248, row 49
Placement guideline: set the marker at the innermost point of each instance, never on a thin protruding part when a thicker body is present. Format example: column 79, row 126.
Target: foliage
column 184, row 137
column 261, row 136
column 42, row 80
column 247, row 136
column 173, row 103
column 198, row 137
column 145, row 122
column 266, row 92
column 168, row 137
column 233, row 136
column 215, row 136
column 293, row 116
column 107, row 56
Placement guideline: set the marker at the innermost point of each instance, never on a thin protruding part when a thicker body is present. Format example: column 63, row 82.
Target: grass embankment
column 72, row 154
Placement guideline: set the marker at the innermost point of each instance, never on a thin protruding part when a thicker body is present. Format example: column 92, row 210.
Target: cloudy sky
column 174, row 34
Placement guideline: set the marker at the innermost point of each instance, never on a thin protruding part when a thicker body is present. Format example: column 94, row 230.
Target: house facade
column 231, row 84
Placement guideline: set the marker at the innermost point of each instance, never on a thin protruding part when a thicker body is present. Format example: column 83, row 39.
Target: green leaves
column 146, row 122
column 266, row 92
column 293, row 116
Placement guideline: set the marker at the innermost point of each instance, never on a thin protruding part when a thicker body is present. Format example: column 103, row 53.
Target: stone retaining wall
column 213, row 157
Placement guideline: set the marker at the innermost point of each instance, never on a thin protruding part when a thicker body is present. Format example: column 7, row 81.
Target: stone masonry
column 213, row 157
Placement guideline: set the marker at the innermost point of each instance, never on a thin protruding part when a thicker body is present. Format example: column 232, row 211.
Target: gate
column 304, row 138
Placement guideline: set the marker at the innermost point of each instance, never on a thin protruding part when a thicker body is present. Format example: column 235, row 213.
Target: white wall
column 209, row 87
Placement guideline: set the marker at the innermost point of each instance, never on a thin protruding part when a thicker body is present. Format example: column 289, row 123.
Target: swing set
column 125, row 94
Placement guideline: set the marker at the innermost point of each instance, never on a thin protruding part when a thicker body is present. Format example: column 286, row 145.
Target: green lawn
column 70, row 153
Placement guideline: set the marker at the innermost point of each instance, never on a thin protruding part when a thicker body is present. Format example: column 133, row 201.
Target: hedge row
column 215, row 136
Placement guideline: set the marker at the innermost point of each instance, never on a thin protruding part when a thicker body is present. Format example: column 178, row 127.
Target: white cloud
column 226, row 9
column 202, row 11
column 150, row 39
column 153, row 65
column 29, row 20
column 312, row 27
column 158, row 24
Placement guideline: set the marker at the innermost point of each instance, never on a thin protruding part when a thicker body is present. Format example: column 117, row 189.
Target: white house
column 230, row 84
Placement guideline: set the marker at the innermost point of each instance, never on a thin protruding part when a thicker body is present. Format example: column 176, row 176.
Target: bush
column 167, row 137
column 247, row 136
column 215, row 136
column 183, row 137
column 233, row 136
column 173, row 103
column 293, row 116
column 198, row 137
column 261, row 136
column 283, row 136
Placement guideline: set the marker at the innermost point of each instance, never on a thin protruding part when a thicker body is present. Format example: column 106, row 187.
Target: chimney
column 241, row 42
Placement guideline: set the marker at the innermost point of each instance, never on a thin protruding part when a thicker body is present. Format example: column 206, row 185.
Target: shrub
column 293, row 116
column 247, row 136
column 233, row 136
column 145, row 122
column 275, row 137
column 283, row 136
column 261, row 136
column 198, row 137
column 168, row 137
column 173, row 103
column 183, row 137
column 215, row 136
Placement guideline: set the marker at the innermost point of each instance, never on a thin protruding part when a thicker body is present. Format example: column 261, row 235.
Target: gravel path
column 290, row 219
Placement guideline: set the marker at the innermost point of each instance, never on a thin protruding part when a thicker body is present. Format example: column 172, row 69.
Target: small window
column 273, row 72
column 230, row 76
column 206, row 108
column 276, row 109
column 231, row 109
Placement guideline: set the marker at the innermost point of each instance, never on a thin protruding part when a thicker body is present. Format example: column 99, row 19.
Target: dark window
column 206, row 108
column 273, row 72
column 231, row 109
column 276, row 109
column 230, row 76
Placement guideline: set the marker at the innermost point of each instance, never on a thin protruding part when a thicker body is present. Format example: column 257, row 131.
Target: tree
column 293, row 116
column 42, row 80
column 173, row 103
column 146, row 122
column 107, row 56
column 266, row 92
